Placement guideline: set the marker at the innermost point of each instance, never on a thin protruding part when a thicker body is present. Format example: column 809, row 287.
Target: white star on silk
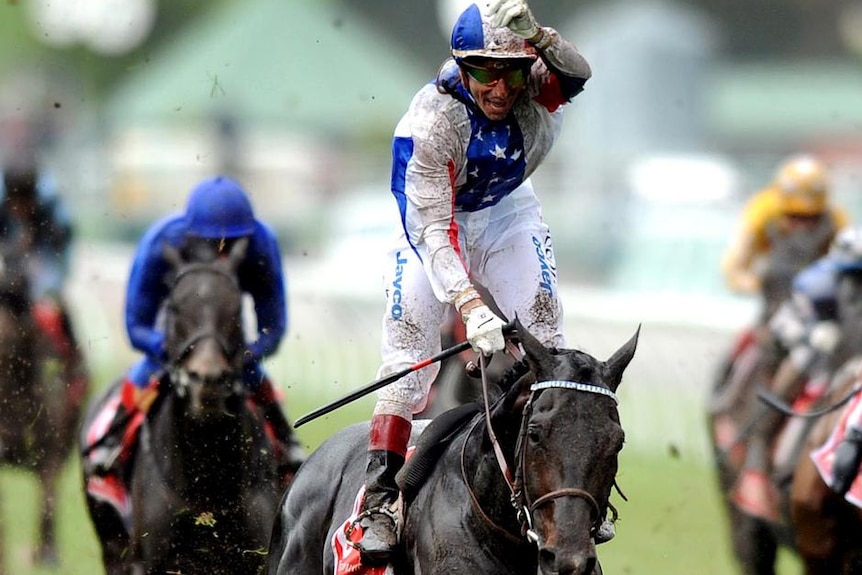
column 499, row 153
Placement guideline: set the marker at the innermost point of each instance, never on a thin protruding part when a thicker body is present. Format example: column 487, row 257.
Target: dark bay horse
column 747, row 369
column 558, row 432
column 39, row 417
column 204, row 486
column 828, row 526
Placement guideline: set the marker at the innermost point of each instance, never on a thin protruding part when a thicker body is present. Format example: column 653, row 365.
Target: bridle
column 524, row 508
column 205, row 333
column 179, row 376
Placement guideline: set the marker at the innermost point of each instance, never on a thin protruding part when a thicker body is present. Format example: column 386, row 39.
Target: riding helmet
column 474, row 35
column 803, row 184
column 219, row 208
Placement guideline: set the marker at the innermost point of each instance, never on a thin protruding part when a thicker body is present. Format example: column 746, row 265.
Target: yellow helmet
column 803, row 186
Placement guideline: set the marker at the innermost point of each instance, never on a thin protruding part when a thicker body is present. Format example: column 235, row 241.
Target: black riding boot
column 103, row 459
column 848, row 457
column 380, row 524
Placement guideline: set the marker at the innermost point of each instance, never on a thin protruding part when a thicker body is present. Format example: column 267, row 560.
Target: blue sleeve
column 262, row 277
column 147, row 290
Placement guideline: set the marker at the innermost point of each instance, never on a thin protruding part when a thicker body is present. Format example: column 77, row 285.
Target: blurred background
column 691, row 106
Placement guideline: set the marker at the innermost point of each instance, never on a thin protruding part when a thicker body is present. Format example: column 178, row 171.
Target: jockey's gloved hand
column 484, row 330
column 516, row 15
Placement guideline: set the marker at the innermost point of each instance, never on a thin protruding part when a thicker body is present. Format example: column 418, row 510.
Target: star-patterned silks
column 495, row 162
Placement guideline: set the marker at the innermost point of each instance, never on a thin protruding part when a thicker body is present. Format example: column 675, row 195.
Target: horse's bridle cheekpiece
column 523, row 508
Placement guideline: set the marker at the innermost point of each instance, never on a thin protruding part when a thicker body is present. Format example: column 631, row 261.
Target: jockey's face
column 495, row 85
column 800, row 222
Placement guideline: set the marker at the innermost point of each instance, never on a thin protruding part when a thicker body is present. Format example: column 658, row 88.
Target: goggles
column 513, row 76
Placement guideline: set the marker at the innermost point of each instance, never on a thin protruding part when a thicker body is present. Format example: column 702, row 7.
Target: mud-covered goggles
column 490, row 72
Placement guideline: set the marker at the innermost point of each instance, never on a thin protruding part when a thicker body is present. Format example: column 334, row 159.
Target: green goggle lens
column 513, row 77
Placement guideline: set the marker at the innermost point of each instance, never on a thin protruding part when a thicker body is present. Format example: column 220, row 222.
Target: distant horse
column 748, row 368
column 533, row 509
column 39, row 416
column 204, row 485
column 828, row 526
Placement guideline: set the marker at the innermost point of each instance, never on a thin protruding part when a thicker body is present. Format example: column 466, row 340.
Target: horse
column 555, row 423
column 40, row 415
column 204, row 487
column 747, row 367
column 827, row 525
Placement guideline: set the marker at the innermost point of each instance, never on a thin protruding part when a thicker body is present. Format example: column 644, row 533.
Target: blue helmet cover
column 219, row 208
column 474, row 35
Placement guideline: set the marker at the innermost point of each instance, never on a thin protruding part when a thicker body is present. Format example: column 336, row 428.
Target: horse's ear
column 238, row 251
column 172, row 255
column 617, row 363
column 538, row 357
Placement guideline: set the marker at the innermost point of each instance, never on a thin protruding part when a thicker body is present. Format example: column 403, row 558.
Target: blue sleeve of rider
column 147, row 290
column 263, row 278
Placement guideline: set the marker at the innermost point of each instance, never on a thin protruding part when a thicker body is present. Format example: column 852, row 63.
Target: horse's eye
column 534, row 433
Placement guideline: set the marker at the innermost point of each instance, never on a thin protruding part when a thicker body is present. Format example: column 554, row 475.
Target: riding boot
column 754, row 493
column 848, row 457
column 113, row 450
column 380, row 521
column 289, row 453
column 53, row 320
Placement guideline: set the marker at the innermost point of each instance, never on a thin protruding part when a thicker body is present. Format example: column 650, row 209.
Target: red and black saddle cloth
column 824, row 456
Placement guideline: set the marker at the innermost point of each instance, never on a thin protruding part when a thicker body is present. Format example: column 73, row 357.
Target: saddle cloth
column 824, row 456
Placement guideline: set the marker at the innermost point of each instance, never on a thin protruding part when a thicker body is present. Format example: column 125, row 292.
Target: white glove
column 516, row 15
column 484, row 330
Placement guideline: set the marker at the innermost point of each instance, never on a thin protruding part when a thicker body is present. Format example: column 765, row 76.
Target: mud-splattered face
column 495, row 85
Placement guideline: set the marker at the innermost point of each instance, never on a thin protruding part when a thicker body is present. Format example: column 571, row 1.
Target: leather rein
column 524, row 508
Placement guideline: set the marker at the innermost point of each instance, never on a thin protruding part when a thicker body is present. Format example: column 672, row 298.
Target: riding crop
column 384, row 381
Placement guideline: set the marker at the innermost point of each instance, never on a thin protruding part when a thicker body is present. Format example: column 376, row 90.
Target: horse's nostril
column 547, row 560
column 577, row 564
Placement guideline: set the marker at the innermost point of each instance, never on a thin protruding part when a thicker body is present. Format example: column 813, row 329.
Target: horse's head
column 567, row 447
column 204, row 336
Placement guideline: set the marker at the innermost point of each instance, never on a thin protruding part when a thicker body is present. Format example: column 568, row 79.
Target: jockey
column 218, row 213
column 808, row 326
column 33, row 218
column 792, row 212
column 463, row 155
column 848, row 453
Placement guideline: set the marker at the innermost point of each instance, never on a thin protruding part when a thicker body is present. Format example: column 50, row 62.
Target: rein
column 523, row 507
column 784, row 408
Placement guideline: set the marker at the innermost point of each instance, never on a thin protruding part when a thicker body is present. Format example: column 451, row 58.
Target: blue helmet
column 219, row 208
column 475, row 35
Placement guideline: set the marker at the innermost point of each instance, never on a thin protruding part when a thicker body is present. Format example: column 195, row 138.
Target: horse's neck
column 485, row 478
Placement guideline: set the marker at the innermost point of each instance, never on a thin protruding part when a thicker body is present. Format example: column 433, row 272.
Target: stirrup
column 103, row 459
column 392, row 513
